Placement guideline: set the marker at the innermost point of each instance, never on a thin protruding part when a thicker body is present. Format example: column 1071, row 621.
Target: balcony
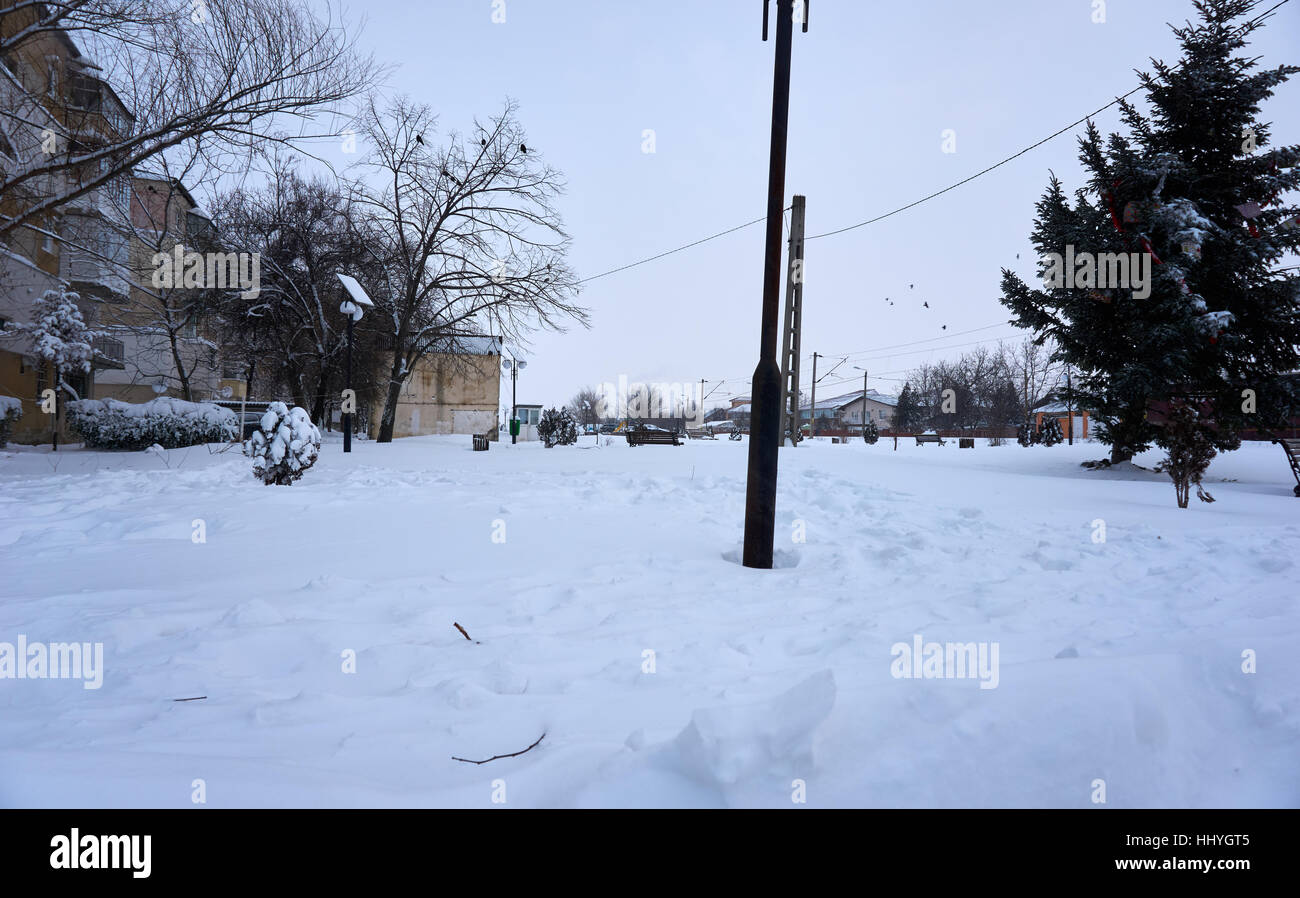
column 109, row 353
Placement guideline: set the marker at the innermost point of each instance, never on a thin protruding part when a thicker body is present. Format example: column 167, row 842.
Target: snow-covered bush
column 1026, row 434
column 285, row 444
column 557, row 428
column 11, row 410
column 1187, row 439
column 1050, row 433
column 870, row 433
column 171, row 423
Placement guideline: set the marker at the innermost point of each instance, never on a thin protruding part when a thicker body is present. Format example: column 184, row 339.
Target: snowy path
column 1119, row 660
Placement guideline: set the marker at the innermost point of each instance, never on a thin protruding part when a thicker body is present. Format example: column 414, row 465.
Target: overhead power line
column 924, row 199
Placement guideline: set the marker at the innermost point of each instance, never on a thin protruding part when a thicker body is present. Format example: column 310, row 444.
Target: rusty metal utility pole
column 793, row 327
column 765, row 423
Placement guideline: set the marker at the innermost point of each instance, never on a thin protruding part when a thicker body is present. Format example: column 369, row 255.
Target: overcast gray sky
column 874, row 86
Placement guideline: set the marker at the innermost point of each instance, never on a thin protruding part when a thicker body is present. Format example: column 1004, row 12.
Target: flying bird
column 926, row 304
column 945, row 327
column 910, row 286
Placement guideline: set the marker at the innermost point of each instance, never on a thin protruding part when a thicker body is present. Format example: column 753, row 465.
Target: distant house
column 847, row 411
column 1061, row 412
column 739, row 413
column 456, row 389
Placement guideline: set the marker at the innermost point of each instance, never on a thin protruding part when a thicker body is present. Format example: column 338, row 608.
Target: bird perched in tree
column 523, row 149
column 945, row 327
column 483, row 141
column 419, row 139
column 910, row 286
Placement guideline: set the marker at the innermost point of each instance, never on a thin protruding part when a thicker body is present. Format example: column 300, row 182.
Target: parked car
column 252, row 421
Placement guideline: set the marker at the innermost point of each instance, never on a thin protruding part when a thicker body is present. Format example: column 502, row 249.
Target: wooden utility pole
column 793, row 326
column 765, row 385
column 812, row 410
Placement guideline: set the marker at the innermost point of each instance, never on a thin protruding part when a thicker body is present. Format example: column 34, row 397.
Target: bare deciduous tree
column 218, row 79
column 467, row 234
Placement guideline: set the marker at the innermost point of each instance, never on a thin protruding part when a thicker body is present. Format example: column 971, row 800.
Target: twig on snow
column 499, row 757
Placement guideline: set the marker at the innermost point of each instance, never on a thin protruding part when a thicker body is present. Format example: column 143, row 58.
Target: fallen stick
column 195, row 699
column 499, row 757
column 463, row 633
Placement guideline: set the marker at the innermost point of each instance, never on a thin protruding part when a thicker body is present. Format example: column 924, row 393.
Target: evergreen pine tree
column 870, row 433
column 1193, row 185
column 1189, row 450
column 907, row 414
column 1050, row 433
column 557, row 428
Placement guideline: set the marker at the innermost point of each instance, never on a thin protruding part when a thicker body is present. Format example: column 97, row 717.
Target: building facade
column 457, row 390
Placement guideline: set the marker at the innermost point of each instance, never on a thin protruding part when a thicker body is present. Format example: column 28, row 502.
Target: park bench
column 638, row 436
column 700, row 433
column 480, row 442
column 1292, row 450
column 929, row 438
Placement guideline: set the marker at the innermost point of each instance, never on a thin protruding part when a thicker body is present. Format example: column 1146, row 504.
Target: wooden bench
column 645, row 437
column 700, row 433
column 929, row 438
column 480, row 442
column 1292, row 450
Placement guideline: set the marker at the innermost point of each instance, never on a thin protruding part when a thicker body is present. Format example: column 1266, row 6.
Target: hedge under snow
column 171, row 423
column 284, row 446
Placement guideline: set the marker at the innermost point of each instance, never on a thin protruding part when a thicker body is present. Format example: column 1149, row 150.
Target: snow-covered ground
column 578, row 571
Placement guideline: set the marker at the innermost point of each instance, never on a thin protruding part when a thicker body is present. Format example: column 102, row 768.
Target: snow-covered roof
column 835, row 402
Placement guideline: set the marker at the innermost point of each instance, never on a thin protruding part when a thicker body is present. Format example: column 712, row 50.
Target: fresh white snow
column 1118, row 660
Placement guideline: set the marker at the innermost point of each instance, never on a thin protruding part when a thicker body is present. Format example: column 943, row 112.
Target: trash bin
column 514, row 427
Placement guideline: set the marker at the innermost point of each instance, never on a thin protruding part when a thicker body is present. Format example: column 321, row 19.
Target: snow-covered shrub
column 171, row 423
column 870, row 433
column 1186, row 438
column 285, row 444
column 1050, row 433
column 1026, row 434
column 11, row 410
column 557, row 428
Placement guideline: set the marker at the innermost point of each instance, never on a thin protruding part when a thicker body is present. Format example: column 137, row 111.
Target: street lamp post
column 514, row 366
column 354, row 307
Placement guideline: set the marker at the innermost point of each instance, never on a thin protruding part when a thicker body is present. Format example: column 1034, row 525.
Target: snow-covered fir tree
column 1049, row 434
column 60, row 338
column 870, row 433
column 1195, row 187
column 1189, row 449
